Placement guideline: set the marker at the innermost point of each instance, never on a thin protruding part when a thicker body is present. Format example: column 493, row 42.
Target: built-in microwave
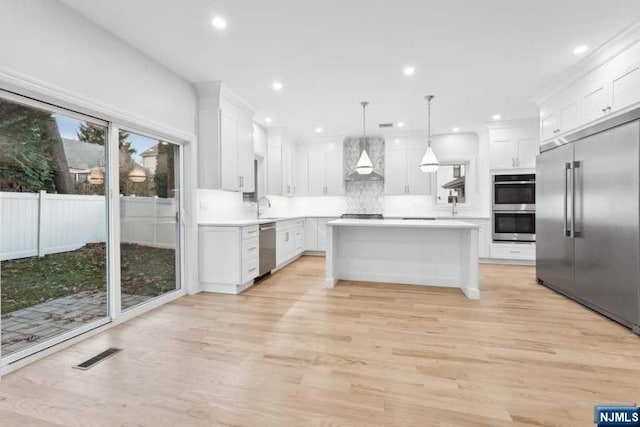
column 514, row 192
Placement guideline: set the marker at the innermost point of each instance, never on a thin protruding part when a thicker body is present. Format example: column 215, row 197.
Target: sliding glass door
column 149, row 218
column 73, row 258
column 53, row 225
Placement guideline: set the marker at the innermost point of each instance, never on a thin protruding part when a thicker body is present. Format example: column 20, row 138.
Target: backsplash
column 364, row 196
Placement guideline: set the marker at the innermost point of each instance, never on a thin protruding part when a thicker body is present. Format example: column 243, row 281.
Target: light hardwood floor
column 290, row 353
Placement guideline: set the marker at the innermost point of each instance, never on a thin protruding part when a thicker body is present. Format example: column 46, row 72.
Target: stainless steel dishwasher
column 267, row 256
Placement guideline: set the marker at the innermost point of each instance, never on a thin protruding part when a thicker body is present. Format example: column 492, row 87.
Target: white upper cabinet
column 513, row 145
column 316, row 168
column 288, row 168
column 598, row 89
column 225, row 139
column 301, row 170
column 229, row 174
column 395, row 172
column 281, row 163
column 402, row 171
column 236, row 152
column 334, row 179
column 325, row 169
column 625, row 87
column 245, row 157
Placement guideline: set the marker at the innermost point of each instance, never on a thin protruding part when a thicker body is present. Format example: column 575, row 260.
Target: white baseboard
column 224, row 288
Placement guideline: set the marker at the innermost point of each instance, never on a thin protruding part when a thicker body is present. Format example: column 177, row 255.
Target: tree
column 59, row 165
column 94, row 134
column 25, row 158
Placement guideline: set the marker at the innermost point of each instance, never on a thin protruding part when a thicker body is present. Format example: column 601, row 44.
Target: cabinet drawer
column 249, row 270
column 513, row 251
column 250, row 232
column 250, row 248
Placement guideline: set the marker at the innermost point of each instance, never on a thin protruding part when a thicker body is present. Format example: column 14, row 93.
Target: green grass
column 26, row 282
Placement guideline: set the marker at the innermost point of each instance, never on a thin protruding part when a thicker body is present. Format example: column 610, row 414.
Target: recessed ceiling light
column 455, row 129
column 318, row 130
column 276, row 85
column 496, row 117
column 268, row 120
column 409, row 71
column 219, row 23
column 400, row 124
column 579, row 50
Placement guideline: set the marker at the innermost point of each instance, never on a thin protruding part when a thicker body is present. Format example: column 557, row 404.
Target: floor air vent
column 98, row 358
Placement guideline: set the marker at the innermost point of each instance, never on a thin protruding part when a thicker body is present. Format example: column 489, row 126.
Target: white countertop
column 246, row 221
column 415, row 223
column 256, row 221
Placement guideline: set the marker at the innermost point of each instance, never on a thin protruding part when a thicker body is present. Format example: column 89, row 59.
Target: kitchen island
column 414, row 252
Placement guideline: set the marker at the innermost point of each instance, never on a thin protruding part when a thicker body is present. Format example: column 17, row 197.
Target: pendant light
column 429, row 161
column 364, row 165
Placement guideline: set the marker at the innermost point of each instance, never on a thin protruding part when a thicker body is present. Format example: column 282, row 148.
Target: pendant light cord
column 364, row 124
column 429, row 98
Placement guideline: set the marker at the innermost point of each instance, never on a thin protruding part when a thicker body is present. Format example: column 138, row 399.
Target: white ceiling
column 477, row 57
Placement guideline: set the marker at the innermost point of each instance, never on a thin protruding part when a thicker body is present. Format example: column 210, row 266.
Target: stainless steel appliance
column 514, row 208
column 267, row 242
column 588, row 217
column 514, row 226
column 514, row 192
column 362, row 216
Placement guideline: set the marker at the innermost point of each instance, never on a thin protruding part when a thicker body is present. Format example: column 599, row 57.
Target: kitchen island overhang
column 414, row 252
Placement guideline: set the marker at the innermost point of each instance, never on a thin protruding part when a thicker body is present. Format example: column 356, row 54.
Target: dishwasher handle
column 270, row 227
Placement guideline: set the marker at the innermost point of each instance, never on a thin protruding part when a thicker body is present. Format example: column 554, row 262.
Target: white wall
column 59, row 52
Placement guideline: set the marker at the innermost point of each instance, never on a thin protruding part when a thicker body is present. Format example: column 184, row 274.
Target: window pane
column 149, row 206
column 451, row 183
column 53, row 226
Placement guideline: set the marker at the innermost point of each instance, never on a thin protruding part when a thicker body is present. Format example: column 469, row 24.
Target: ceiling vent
column 385, row 125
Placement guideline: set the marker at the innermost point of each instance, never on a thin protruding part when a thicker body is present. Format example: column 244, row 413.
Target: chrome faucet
column 454, row 205
column 258, row 204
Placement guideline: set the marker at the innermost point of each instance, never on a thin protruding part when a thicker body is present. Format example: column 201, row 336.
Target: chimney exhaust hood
column 369, row 158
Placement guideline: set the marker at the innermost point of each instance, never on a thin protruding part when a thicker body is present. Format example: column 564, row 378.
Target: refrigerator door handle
column 566, row 231
column 575, row 165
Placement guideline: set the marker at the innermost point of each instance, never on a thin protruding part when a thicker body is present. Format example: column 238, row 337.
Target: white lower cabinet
column 513, row 251
column 311, row 234
column 289, row 240
column 315, row 230
column 228, row 258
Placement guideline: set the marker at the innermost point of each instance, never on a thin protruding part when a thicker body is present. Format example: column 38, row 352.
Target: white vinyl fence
column 36, row 224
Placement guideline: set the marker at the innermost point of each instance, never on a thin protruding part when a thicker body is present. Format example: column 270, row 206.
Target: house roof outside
column 83, row 155
column 151, row 151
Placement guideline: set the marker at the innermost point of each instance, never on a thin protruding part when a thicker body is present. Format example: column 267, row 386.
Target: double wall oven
column 514, row 208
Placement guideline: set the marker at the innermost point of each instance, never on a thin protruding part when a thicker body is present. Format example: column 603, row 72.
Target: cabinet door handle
column 556, row 130
column 609, row 109
column 294, row 189
column 604, row 111
column 518, row 161
column 288, row 189
column 286, row 236
column 513, row 162
column 252, row 270
column 253, row 248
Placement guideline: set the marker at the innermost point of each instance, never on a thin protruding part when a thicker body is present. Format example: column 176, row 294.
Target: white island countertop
column 426, row 252
column 413, row 223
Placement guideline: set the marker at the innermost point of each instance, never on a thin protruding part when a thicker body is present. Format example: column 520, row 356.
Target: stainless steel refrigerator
column 588, row 217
